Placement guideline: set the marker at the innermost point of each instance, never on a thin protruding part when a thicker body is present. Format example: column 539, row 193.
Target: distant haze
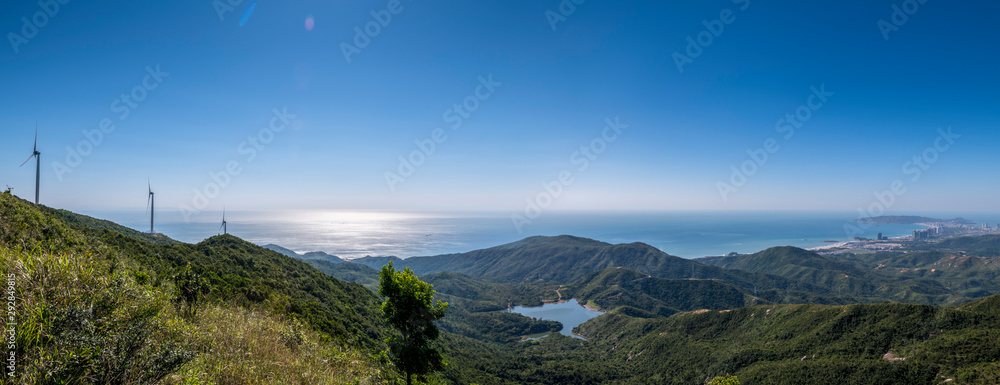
column 688, row 234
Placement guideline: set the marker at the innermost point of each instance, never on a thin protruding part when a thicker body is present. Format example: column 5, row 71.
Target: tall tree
column 409, row 307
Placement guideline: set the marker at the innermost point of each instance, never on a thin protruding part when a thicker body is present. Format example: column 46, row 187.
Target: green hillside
column 867, row 277
column 616, row 287
column 968, row 274
column 785, row 261
column 984, row 246
column 808, row 344
column 348, row 272
column 801, row 265
column 99, row 300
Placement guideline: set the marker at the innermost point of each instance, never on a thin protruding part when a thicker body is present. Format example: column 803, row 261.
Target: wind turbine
column 223, row 227
column 38, row 162
column 150, row 206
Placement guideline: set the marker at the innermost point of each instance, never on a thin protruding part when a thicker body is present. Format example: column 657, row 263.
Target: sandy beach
column 592, row 308
column 830, row 247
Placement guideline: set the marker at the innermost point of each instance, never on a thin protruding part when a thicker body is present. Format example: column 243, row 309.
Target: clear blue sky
column 606, row 59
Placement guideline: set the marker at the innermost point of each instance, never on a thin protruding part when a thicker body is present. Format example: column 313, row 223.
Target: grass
column 244, row 346
column 81, row 320
column 86, row 320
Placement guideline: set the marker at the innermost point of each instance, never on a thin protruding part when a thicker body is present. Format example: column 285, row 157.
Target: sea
column 354, row 234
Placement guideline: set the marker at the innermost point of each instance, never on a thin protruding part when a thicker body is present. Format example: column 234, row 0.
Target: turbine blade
column 36, row 137
column 26, row 162
column 147, row 203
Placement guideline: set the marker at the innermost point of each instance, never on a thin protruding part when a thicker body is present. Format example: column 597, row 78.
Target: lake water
column 570, row 313
column 357, row 234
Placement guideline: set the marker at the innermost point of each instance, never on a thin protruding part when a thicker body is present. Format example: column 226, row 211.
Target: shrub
column 79, row 324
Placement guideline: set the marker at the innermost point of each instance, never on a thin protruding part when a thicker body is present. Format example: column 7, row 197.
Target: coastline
column 843, row 245
column 591, row 308
column 830, row 247
column 556, row 302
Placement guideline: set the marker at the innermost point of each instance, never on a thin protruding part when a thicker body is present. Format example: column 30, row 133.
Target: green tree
column 191, row 287
column 724, row 380
column 409, row 307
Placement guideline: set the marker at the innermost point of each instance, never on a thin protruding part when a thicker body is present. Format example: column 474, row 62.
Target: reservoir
column 570, row 313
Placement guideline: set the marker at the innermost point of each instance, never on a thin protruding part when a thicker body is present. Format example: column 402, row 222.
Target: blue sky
column 220, row 82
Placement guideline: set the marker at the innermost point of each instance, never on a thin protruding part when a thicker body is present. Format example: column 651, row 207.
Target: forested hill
column 986, row 245
column 886, row 343
column 565, row 259
column 613, row 288
column 777, row 258
column 558, row 259
column 948, row 272
column 801, row 265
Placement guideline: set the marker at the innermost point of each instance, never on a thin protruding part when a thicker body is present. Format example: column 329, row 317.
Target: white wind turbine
column 150, row 206
column 38, row 162
column 223, row 227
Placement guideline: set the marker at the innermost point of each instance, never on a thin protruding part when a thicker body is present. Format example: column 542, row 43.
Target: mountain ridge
column 305, row 256
column 910, row 220
column 565, row 259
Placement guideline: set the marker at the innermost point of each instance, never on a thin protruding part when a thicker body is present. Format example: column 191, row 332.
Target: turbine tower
column 38, row 162
column 223, row 227
column 150, row 206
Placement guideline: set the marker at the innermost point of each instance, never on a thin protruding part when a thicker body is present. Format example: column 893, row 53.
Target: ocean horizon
column 355, row 234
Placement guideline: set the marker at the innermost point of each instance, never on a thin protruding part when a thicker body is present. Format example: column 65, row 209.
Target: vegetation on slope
column 80, row 319
column 247, row 346
column 615, row 287
column 348, row 272
column 476, row 295
column 477, row 309
column 928, row 277
column 97, row 306
column 855, row 344
column 785, row 261
column 984, row 246
column 83, row 319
